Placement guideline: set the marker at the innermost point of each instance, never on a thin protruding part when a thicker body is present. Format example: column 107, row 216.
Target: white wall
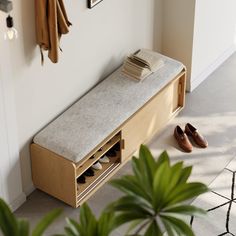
column 177, row 34
column 200, row 33
column 98, row 41
column 10, row 172
column 214, row 32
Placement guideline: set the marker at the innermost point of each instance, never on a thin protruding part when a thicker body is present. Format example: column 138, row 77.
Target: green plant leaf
column 148, row 162
column 23, row 227
column 144, row 168
column 45, row 222
column 146, row 155
column 137, row 168
column 141, row 176
column 160, row 184
column 186, row 172
column 8, row 222
column 179, row 225
column 131, row 203
column 185, row 210
column 175, row 175
column 130, row 186
column 134, row 224
column 164, row 157
column 174, row 178
column 86, row 215
column 74, row 227
column 106, row 223
column 170, row 229
column 123, row 218
column 156, row 190
column 153, row 229
column 69, row 232
column 88, row 221
column 185, row 192
column 88, row 224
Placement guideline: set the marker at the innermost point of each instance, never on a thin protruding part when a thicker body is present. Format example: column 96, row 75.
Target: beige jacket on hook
column 51, row 23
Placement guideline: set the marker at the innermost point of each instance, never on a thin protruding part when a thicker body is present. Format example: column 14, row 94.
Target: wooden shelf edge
column 82, row 167
column 100, row 180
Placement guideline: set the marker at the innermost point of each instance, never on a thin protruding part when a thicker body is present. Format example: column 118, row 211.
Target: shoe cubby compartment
column 116, row 111
column 58, row 176
column 82, row 166
column 84, row 190
column 93, row 182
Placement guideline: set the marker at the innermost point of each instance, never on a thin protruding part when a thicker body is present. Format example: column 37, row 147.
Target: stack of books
column 141, row 64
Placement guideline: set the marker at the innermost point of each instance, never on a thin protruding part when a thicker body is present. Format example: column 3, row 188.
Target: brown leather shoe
column 182, row 139
column 197, row 137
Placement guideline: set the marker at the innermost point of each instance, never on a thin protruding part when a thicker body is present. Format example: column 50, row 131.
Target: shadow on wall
column 157, row 30
column 235, row 35
column 13, row 188
column 110, row 67
column 26, row 168
column 28, row 29
column 25, row 159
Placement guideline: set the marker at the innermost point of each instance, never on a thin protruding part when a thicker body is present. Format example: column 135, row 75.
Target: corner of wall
column 29, row 189
column 18, row 201
column 178, row 27
column 196, row 81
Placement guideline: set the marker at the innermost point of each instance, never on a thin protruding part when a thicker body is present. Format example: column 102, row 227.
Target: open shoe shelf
column 93, row 182
column 58, row 176
column 85, row 164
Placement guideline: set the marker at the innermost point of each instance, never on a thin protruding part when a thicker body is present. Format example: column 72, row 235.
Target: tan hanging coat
column 51, row 23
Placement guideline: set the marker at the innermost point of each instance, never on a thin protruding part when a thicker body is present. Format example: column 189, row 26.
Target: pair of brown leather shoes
column 183, row 140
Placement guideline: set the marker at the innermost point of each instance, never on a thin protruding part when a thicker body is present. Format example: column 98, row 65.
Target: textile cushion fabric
column 101, row 111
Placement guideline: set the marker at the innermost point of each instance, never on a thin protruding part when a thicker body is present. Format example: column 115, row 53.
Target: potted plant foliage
column 11, row 226
column 156, row 198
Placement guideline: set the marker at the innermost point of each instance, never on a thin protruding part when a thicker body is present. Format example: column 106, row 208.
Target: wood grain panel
column 53, row 174
column 153, row 116
column 56, row 175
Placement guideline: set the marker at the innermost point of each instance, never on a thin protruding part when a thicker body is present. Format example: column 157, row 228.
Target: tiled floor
column 221, row 205
column 211, row 108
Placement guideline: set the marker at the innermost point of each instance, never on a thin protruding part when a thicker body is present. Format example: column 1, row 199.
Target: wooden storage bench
column 117, row 112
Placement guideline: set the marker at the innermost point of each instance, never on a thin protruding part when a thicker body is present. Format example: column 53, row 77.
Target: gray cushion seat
column 105, row 108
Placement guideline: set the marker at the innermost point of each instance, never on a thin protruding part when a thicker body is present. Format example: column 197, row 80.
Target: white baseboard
column 18, row 202
column 22, row 198
column 29, row 189
column 211, row 68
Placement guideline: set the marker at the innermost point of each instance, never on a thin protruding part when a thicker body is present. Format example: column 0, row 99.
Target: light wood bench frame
column 57, row 176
